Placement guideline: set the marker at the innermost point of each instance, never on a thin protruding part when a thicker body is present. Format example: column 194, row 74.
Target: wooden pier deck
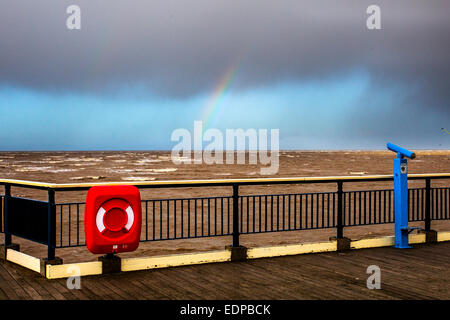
column 419, row 273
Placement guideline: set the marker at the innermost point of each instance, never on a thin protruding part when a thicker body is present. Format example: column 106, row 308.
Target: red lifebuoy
column 114, row 216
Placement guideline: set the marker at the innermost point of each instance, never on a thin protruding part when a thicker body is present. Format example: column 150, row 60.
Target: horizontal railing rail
column 217, row 182
column 236, row 214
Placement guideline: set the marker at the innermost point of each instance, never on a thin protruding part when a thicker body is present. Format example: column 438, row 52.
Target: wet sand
column 73, row 167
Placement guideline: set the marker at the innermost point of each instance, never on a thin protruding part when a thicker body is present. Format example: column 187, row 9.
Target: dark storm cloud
column 181, row 48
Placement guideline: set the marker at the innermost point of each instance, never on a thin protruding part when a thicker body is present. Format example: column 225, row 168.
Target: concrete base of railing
column 110, row 263
column 343, row 244
column 430, row 235
column 237, row 253
column 55, row 269
column 45, row 262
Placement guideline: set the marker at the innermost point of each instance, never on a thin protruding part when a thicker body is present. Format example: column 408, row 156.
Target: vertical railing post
column 1, row 215
column 427, row 204
column 235, row 215
column 8, row 240
column 51, row 232
column 340, row 224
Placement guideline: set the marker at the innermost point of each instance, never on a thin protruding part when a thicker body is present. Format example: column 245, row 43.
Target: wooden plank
column 163, row 284
column 393, row 266
column 261, row 276
column 9, row 285
column 315, row 280
column 59, row 291
column 99, row 288
column 123, row 288
column 3, row 295
column 179, row 288
column 154, row 292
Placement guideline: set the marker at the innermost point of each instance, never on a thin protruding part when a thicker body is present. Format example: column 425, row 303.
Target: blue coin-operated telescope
column 401, row 195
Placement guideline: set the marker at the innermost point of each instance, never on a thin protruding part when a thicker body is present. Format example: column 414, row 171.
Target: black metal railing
column 1, row 215
column 187, row 218
column 236, row 214
column 439, row 203
column 368, row 207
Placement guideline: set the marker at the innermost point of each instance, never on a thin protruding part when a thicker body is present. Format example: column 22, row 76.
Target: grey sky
column 179, row 49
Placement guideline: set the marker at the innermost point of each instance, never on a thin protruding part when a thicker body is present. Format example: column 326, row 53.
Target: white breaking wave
column 138, row 178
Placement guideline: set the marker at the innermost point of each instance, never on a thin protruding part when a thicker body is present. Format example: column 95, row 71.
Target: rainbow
column 212, row 106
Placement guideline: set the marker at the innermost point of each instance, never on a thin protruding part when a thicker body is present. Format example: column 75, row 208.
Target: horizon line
column 223, row 150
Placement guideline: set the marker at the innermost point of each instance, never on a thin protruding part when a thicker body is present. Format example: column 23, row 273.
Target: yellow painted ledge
column 73, row 269
column 417, row 238
column 23, row 260
column 277, row 251
column 385, row 241
column 134, row 264
column 443, row 236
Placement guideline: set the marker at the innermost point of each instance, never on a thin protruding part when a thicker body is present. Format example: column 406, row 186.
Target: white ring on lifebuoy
column 101, row 213
column 130, row 215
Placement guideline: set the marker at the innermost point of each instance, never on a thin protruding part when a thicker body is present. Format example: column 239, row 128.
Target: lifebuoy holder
column 112, row 219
